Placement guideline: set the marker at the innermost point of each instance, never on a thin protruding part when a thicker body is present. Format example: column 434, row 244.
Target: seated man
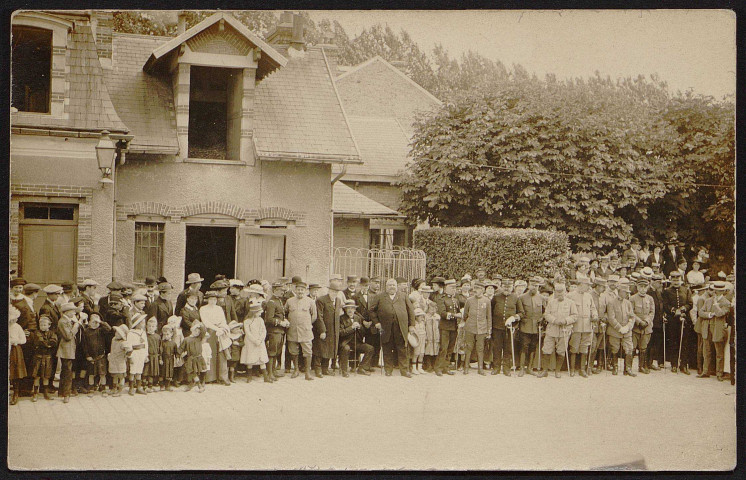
column 351, row 339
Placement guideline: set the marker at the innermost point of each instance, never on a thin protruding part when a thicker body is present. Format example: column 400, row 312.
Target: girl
column 236, row 334
column 176, row 324
column 16, row 365
column 118, row 356
column 45, row 344
column 432, row 335
column 168, row 355
column 94, row 350
column 418, row 352
column 138, row 341
column 151, row 371
column 194, row 361
column 254, row 352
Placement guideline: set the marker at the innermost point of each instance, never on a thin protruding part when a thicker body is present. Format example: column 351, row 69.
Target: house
column 381, row 103
column 225, row 141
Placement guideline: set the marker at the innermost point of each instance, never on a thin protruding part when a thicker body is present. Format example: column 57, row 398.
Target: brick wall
column 24, row 192
column 351, row 232
column 212, row 40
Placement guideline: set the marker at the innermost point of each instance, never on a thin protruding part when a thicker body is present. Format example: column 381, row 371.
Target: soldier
column 477, row 323
column 504, row 313
column 560, row 313
column 530, row 308
column 643, row 307
column 677, row 300
column 712, row 315
column 700, row 293
column 449, row 311
column 619, row 317
column 277, row 325
column 582, row 330
column 302, row 318
column 598, row 339
column 655, row 351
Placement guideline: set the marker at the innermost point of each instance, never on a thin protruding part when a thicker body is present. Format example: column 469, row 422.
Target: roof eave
column 308, row 158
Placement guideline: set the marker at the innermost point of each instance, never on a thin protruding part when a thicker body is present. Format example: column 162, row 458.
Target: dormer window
column 31, row 69
column 215, row 96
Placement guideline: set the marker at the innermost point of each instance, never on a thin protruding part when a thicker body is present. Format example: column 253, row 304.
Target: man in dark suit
column 670, row 256
column 372, row 334
column 677, row 301
column 328, row 309
column 393, row 314
column 161, row 308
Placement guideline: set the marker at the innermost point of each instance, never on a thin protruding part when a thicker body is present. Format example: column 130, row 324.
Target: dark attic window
column 31, row 69
column 215, row 96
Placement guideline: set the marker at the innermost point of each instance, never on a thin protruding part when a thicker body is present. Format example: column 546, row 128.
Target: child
column 206, row 355
column 120, row 351
column 94, row 342
column 67, row 329
column 254, row 350
column 16, row 364
column 45, row 344
column 418, row 352
column 194, row 363
column 151, row 371
column 168, row 355
column 236, row 335
column 176, row 324
column 138, row 341
column 432, row 334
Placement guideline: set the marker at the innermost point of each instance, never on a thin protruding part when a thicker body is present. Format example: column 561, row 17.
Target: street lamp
column 106, row 152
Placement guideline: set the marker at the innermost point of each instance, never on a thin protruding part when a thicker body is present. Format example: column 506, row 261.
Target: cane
column 665, row 319
column 567, row 357
column 380, row 347
column 354, row 362
column 538, row 351
column 681, row 339
column 603, row 327
column 512, row 346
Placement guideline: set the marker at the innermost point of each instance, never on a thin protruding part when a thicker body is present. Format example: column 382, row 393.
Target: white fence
column 385, row 263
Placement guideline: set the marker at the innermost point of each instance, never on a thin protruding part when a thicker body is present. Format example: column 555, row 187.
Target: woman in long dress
column 213, row 317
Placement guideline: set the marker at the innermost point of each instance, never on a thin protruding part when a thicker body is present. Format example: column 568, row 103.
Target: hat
column 313, row 285
column 635, row 275
column 719, row 286
column 584, row 259
column 301, row 284
column 413, row 339
column 655, row 264
column 613, row 278
column 364, row 280
column 401, row 280
column 647, row 272
column 89, row 282
column 545, row 288
column 65, row 307
column 335, row 276
column 14, row 313
column 191, row 278
column 139, row 297
column 657, row 277
column 52, row 289
column 497, row 276
column 721, row 274
column 699, row 287
column 439, row 280
column 583, row 281
column 507, row 281
column 605, row 258
column 150, row 281
column 375, row 279
column 643, row 282
column 418, row 312
column 234, row 282
column 277, row 284
column 296, row 279
column 217, row 285
column 114, row 285
column 465, row 281
column 450, row 281
column 17, row 281
column 31, row 288
column 427, row 289
column 350, row 304
column 67, row 287
column 211, row 294
column 115, row 297
column 257, row 289
column 164, row 287
column 520, row 283
column 478, row 284
column 45, row 317
column 122, row 330
column 559, row 286
column 77, row 299
column 599, row 281
column 352, row 278
column 481, row 269
column 623, row 281
column 536, row 280
column 675, row 274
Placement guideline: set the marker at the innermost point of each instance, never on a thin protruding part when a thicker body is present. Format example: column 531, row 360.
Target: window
column 215, row 96
column 48, row 212
column 31, row 69
column 48, row 236
column 387, row 238
column 148, row 250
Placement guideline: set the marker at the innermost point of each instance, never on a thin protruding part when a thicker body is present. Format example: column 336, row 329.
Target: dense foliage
column 511, row 252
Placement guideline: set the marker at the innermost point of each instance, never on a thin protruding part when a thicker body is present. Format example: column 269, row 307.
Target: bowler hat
column 352, row 278
column 17, row 281
column 296, row 279
column 413, row 339
column 191, row 278
column 151, row 282
column 31, row 288
column 364, row 280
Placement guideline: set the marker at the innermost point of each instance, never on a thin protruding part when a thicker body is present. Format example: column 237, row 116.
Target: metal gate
column 384, row 263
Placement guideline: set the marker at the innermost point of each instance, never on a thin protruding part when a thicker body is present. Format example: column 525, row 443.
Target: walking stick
column 567, row 357
column 681, row 340
column 603, row 327
column 354, row 343
column 380, row 347
column 538, row 351
column 512, row 346
column 665, row 319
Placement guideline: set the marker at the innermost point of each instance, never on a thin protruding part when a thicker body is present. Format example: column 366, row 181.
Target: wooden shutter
column 48, row 253
column 260, row 256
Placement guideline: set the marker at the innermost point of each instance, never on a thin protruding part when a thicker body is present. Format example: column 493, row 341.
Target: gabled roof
column 90, row 106
column 350, row 203
column 145, row 102
column 268, row 52
column 383, row 145
column 299, row 116
column 378, row 59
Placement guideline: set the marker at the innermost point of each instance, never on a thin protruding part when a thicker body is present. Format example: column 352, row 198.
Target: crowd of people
column 606, row 311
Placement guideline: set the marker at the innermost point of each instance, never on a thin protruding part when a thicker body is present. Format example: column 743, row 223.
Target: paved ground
column 666, row 421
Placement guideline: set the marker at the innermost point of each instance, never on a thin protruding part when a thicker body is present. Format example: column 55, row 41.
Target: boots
column 545, row 359
column 413, row 368
column 294, row 362
column 628, row 366
column 583, row 365
column 34, row 392
column 614, row 366
column 267, row 378
column 132, row 387
column 139, row 389
column 643, row 368
column 46, row 393
column 308, row 367
column 116, row 390
column 231, row 373
column 422, row 369
column 522, row 371
column 168, row 386
column 685, row 370
column 91, row 390
column 573, row 361
column 558, row 366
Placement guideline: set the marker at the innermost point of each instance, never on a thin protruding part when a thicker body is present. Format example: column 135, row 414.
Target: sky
column 689, row 49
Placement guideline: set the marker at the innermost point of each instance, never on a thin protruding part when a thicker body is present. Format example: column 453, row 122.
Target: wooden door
column 260, row 256
column 48, row 253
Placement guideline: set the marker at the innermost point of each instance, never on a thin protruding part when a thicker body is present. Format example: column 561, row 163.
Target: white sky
column 687, row 48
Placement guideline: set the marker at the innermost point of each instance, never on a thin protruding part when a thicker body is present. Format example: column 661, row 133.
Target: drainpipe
column 331, row 243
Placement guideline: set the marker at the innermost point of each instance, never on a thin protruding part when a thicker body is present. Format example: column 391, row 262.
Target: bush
column 512, row 252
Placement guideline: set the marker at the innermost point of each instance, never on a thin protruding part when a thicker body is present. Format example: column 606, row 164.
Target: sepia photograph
column 377, row 240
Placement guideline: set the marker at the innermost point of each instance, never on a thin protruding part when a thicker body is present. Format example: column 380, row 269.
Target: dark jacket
column 94, row 341
column 45, row 343
column 658, row 301
column 88, row 306
column 669, row 263
column 52, row 311
column 229, row 308
column 674, row 298
column 181, row 300
column 329, row 312
column 274, row 313
column 188, row 317
column 346, row 333
column 161, row 309
column 388, row 313
column 503, row 306
column 447, row 306
column 27, row 320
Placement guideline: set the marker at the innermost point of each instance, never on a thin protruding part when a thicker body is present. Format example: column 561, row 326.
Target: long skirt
column 212, row 372
column 16, row 366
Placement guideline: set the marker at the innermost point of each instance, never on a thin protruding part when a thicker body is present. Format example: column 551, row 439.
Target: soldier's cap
column 418, row 312
column 604, row 258
column 450, row 281
column 520, row 283
column 115, row 297
column 507, row 281
column 583, row 281
column 675, row 274
column 657, row 277
column 439, row 280
column 234, row 282
column 115, row 286
column 464, row 281
column 539, row 281
column 45, row 317
column 599, row 281
column 719, row 286
column 352, row 278
column 364, row 280
column 31, row 288
column 51, row 289
column 139, row 297
column 613, row 278
column 375, row 279
column 643, row 282
column 479, row 284
column 311, row 286
column 89, row 282
column 350, row 304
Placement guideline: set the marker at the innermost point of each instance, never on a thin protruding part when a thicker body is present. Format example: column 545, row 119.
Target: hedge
column 511, row 252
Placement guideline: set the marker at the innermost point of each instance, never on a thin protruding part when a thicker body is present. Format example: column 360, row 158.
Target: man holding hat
column 504, row 313
column 530, row 308
column 712, row 315
column 393, row 315
column 582, row 330
column 193, row 284
column 329, row 310
column 449, row 312
column 351, row 340
column 677, row 300
column 161, row 308
column 50, row 308
column 643, row 307
column 477, row 324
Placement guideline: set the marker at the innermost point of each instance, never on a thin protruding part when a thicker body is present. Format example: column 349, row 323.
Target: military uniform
column 643, row 307
column 677, row 301
column 619, row 315
column 503, row 307
column 582, row 330
column 713, row 317
column 448, row 308
column 531, row 310
column 559, row 316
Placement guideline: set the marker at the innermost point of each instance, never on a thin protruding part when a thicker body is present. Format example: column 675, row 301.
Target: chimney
column 181, row 22
column 298, row 41
column 289, row 32
column 102, row 23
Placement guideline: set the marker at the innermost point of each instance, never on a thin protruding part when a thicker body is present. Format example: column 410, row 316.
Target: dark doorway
column 210, row 251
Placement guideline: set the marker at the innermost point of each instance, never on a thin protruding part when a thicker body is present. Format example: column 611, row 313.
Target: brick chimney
column 102, row 23
column 289, row 32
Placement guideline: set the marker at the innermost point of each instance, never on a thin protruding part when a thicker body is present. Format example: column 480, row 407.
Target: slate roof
column 90, row 107
column 348, row 202
column 383, row 144
column 299, row 115
column 144, row 102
